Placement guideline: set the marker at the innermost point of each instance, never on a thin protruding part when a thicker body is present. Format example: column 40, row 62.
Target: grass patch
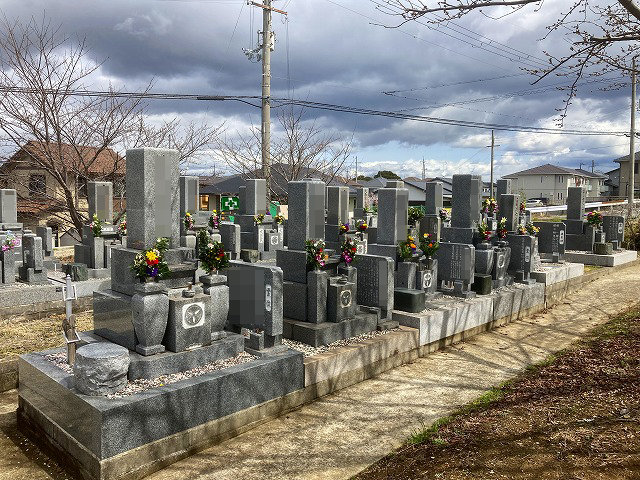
column 591, row 268
column 430, row 434
column 617, row 326
column 18, row 336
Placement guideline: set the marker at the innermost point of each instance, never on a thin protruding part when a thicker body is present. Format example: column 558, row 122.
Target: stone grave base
column 316, row 334
column 131, row 437
column 552, row 274
column 617, row 258
column 447, row 318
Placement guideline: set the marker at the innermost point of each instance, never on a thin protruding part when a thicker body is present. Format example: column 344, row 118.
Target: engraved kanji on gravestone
column 267, row 297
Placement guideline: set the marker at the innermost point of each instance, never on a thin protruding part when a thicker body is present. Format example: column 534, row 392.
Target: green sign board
column 228, row 204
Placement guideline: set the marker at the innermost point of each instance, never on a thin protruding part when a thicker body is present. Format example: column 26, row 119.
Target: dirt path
column 341, row 434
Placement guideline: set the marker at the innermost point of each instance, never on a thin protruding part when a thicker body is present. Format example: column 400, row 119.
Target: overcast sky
column 332, row 51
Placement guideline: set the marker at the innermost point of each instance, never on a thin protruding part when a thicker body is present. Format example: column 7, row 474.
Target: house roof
column 626, row 158
column 75, row 158
column 546, row 169
column 590, row 174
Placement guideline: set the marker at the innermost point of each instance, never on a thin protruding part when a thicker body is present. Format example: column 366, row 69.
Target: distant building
column 42, row 200
column 551, row 183
column 612, row 183
column 623, row 187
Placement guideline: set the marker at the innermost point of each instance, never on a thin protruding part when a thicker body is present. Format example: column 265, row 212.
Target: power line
column 281, row 102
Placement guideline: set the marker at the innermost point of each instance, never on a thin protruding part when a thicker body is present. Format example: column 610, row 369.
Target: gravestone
column 503, row 187
column 100, row 199
column 613, row 227
column 46, row 233
column 456, row 265
column 8, row 207
column 7, row 264
column 32, row 270
column 431, row 222
column 362, row 195
column 337, row 212
column 393, row 207
column 376, row 283
column 189, row 195
column 189, row 323
column 306, row 212
column 153, row 204
column 256, row 303
column 501, row 259
column 230, row 237
column 552, row 239
column 509, row 208
column 576, row 198
column 465, row 209
column 522, row 251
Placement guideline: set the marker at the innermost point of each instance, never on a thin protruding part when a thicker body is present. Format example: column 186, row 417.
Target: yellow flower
column 151, row 256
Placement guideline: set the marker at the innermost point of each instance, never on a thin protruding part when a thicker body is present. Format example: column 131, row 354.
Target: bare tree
column 50, row 118
column 300, row 150
column 603, row 34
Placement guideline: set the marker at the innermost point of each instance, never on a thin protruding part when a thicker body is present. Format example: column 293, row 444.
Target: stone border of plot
column 334, row 370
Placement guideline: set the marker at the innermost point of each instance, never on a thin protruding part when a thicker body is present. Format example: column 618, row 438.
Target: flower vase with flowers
column 348, row 250
column 10, row 242
column 150, row 263
column 316, row 257
column 407, row 249
column 211, row 253
column 188, row 221
column 594, row 218
column 122, row 227
column 96, row 226
column 484, row 231
column 501, row 231
column 214, row 220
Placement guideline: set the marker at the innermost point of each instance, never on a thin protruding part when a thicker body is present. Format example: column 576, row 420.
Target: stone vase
column 484, row 258
column 149, row 315
column 216, row 287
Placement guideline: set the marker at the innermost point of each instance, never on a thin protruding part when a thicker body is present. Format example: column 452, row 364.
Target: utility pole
column 265, row 55
column 356, row 179
column 632, row 138
column 424, row 173
column 493, row 143
column 593, row 165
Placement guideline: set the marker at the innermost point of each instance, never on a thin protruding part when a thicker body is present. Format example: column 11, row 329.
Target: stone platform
column 317, row 334
column 448, row 318
column 617, row 258
column 550, row 274
column 129, row 437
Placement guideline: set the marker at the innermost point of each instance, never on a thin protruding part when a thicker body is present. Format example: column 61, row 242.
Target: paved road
column 341, row 434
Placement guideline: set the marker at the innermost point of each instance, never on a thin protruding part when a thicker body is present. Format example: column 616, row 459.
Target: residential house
column 551, row 182
column 36, row 171
column 612, row 183
column 623, row 187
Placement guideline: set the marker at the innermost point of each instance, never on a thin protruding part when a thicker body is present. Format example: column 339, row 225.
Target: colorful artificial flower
column 258, row 219
column 96, row 226
column 10, row 242
column 594, row 218
column 428, row 245
column 122, row 227
column 188, row 221
column 214, row 220
column 444, row 215
column 490, row 206
column 531, row 229
column 316, row 256
column 484, row 231
column 278, row 219
column 211, row 254
column 348, row 250
column 361, row 226
column 344, row 228
column 150, row 262
column 501, row 231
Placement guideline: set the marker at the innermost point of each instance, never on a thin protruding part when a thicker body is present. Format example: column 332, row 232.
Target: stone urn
column 484, row 258
column 150, row 313
column 216, row 287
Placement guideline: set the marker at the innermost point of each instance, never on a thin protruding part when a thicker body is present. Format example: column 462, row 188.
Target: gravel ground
column 137, row 386
column 309, row 351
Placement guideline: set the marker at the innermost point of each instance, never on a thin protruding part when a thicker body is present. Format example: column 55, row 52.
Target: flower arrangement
column 211, row 253
column 444, row 215
column 521, row 230
column 501, row 231
column 278, row 219
column 523, row 207
column 258, row 219
column 531, row 229
column 415, row 214
column 344, row 228
column 10, row 242
column 361, row 226
column 188, row 221
column 407, row 248
column 348, row 250
column 316, row 258
column 594, row 218
column 96, row 226
column 428, row 245
column 151, row 262
column 214, row 220
column 490, row 206
column 484, row 231
column 122, row 227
